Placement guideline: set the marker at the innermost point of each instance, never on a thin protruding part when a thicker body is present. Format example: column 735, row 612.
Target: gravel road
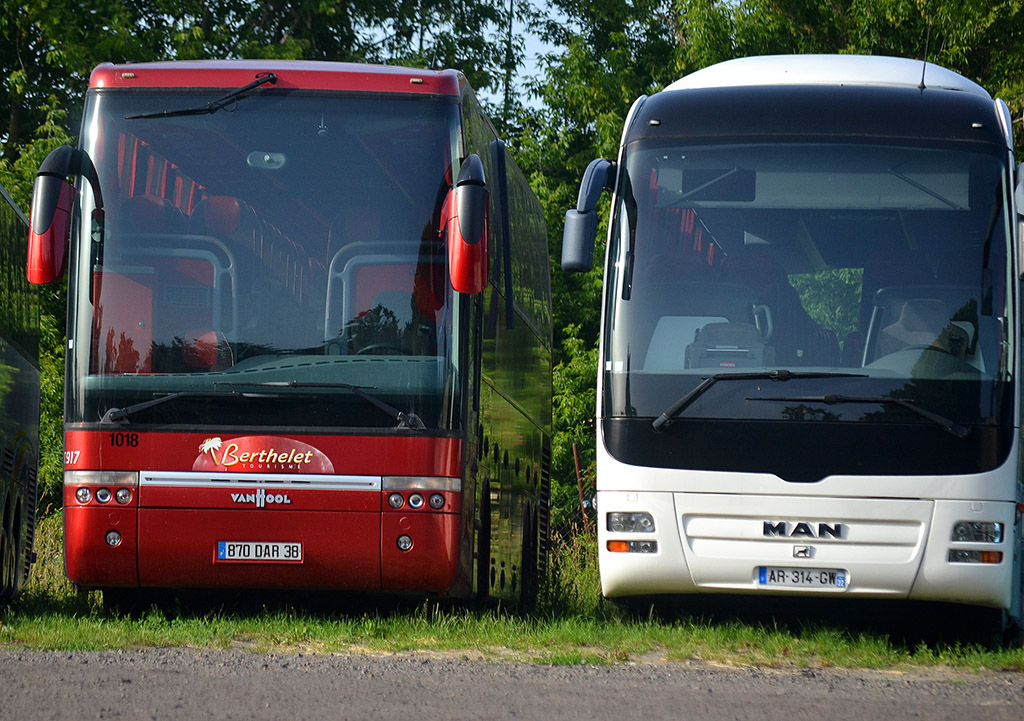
column 240, row 684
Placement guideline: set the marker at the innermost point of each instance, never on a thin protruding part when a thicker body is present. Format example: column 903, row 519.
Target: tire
column 6, row 565
column 20, row 569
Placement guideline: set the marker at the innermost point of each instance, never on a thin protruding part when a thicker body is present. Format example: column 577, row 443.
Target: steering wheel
column 935, row 348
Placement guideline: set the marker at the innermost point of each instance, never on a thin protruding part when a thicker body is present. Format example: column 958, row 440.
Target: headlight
column 977, row 532
column 631, row 523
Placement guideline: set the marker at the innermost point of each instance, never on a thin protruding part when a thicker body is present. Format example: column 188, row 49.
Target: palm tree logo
column 209, row 446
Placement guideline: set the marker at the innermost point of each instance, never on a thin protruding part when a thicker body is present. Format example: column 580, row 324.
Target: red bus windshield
column 281, row 253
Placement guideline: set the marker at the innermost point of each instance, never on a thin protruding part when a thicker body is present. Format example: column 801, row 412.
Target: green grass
column 571, row 625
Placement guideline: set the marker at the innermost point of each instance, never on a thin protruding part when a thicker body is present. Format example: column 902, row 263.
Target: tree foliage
column 604, row 54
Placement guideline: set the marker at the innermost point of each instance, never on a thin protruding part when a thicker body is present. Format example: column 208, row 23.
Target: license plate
column 801, row 577
column 258, row 551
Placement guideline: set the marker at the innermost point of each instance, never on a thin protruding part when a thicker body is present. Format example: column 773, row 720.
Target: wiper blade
column 214, row 105
column 831, row 399
column 780, row 374
column 120, row 415
column 409, row 420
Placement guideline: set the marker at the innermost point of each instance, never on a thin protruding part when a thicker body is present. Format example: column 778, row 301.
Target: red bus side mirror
column 49, row 228
column 468, row 221
column 52, row 201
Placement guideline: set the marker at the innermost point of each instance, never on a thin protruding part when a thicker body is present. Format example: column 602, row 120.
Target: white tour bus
column 810, row 336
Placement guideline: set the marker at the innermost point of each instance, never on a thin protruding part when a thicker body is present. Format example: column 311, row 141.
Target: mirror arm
column 598, row 177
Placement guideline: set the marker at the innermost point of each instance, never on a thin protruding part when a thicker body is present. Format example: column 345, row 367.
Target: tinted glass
column 260, row 258
column 884, row 265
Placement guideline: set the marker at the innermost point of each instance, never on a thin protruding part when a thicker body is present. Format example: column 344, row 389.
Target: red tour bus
column 309, row 333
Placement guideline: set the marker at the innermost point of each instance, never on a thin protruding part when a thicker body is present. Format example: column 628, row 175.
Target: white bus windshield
column 265, row 263
column 870, row 271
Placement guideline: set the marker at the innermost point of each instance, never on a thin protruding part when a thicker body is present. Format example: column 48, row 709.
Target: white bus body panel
column 893, row 544
column 827, row 70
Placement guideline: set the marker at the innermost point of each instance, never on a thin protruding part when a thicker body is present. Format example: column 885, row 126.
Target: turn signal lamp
column 404, row 543
column 959, row 556
column 633, row 546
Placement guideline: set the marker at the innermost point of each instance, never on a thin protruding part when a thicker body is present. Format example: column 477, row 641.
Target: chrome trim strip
column 295, row 481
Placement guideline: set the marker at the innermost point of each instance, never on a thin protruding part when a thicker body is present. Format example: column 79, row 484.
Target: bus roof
column 291, row 75
column 827, row 70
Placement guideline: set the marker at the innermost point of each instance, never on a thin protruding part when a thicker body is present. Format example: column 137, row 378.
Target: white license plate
column 259, row 551
column 801, row 577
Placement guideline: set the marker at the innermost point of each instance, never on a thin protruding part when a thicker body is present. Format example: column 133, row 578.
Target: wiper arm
column 780, row 374
column 214, row 105
column 831, row 399
column 120, row 415
column 409, row 420
column 895, row 172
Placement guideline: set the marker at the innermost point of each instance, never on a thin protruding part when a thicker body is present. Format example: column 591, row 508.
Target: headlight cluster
column 976, row 532
column 122, row 483
column 419, row 493
column 631, row 522
column 415, row 501
column 103, row 495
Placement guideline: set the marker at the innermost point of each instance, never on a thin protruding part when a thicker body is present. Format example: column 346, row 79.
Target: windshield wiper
column 894, row 171
column 409, row 420
column 780, row 374
column 831, row 399
column 120, row 415
column 214, row 105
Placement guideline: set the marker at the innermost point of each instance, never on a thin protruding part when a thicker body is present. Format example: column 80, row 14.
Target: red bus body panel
column 336, row 508
column 291, row 75
column 89, row 560
column 353, row 455
column 177, row 548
